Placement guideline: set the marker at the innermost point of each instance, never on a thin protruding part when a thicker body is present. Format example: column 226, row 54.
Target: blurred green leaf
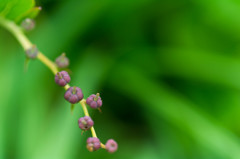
column 61, row 31
column 16, row 9
column 32, row 13
column 3, row 5
column 176, row 109
column 201, row 66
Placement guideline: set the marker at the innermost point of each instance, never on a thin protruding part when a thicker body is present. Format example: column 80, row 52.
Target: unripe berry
column 28, row 24
column 93, row 144
column 73, row 95
column 62, row 78
column 111, row 146
column 94, row 101
column 32, row 52
column 85, row 123
column 62, row 61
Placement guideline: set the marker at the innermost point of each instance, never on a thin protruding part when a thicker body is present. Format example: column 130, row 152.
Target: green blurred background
column 168, row 72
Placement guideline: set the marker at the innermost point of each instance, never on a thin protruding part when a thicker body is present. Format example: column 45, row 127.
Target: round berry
column 62, row 78
column 73, row 95
column 28, row 24
column 93, row 144
column 94, row 101
column 85, row 123
column 62, row 61
column 111, row 146
column 32, row 52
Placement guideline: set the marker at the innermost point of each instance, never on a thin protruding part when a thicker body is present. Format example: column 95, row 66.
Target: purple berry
column 85, row 123
column 94, row 101
column 93, row 144
column 111, row 146
column 28, row 24
column 62, row 78
column 62, row 61
column 32, row 52
column 73, row 95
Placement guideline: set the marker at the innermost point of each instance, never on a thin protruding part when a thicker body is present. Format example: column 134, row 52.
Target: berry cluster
column 94, row 101
column 74, row 95
column 32, row 52
column 28, row 24
column 62, row 61
column 85, row 123
column 62, row 78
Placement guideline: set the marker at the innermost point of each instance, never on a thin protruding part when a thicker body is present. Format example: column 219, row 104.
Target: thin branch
column 26, row 44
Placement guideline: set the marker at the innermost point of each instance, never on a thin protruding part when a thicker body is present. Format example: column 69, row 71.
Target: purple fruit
column 62, row 78
column 85, row 123
column 62, row 61
column 111, row 146
column 94, row 101
column 28, row 24
column 93, row 144
column 32, row 52
column 73, row 95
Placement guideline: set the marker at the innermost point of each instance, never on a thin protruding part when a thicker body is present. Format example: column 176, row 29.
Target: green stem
column 17, row 32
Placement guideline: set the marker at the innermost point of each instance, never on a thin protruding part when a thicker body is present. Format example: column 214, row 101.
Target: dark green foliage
column 168, row 72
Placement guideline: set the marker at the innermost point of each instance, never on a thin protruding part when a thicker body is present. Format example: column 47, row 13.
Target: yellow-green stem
column 47, row 62
column 83, row 103
column 26, row 44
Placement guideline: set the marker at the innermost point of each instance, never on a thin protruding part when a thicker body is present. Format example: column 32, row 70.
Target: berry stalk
column 84, row 107
column 26, row 44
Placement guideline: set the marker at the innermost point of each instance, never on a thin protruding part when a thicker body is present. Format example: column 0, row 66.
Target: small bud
column 28, row 24
column 111, row 146
column 93, row 144
column 62, row 61
column 32, row 52
column 94, row 101
column 62, row 78
column 73, row 95
column 85, row 123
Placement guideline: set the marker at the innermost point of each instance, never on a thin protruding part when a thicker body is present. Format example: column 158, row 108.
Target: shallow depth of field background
column 168, row 72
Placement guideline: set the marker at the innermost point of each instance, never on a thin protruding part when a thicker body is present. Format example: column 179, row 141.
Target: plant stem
column 52, row 66
column 83, row 103
column 26, row 44
column 17, row 32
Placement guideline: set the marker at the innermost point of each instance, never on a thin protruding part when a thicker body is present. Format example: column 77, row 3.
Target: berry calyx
column 32, row 52
column 62, row 61
column 93, row 144
column 94, row 101
column 85, row 123
column 28, row 24
column 111, row 146
column 73, row 95
column 62, row 78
